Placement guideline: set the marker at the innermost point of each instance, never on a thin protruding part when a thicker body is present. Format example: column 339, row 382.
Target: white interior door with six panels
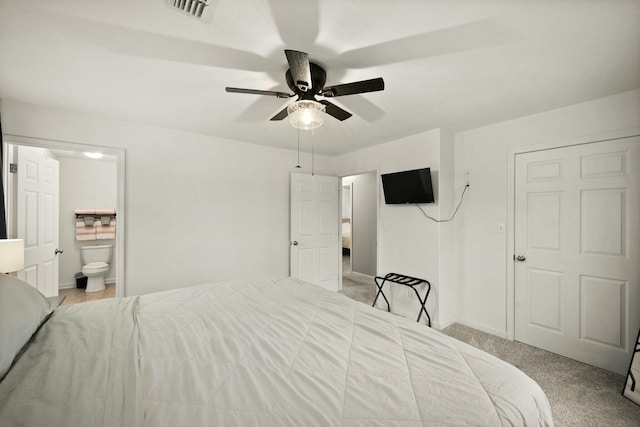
column 315, row 229
column 577, row 280
column 37, row 218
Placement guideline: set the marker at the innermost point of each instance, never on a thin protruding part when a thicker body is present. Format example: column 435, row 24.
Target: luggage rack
column 401, row 279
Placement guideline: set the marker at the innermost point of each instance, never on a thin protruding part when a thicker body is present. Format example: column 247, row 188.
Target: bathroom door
column 37, row 217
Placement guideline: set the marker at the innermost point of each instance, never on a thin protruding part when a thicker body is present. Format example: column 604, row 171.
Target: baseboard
column 362, row 275
column 440, row 326
column 66, row 285
column 483, row 328
column 71, row 285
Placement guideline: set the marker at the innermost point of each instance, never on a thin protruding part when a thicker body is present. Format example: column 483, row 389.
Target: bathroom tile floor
column 74, row 295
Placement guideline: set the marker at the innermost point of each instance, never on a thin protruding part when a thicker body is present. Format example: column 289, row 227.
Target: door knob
column 294, row 243
column 59, row 251
column 521, row 258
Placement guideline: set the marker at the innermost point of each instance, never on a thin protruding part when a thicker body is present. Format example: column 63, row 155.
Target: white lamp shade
column 11, row 255
column 306, row 114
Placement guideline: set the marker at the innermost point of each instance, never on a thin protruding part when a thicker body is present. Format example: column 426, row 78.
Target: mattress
column 264, row 352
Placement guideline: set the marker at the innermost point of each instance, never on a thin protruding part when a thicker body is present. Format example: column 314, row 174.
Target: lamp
column 306, row 114
column 11, row 255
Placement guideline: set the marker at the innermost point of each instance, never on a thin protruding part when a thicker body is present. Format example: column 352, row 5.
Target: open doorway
column 81, row 182
column 359, row 235
column 346, row 228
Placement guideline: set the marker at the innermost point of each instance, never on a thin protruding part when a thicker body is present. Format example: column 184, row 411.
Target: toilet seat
column 95, row 267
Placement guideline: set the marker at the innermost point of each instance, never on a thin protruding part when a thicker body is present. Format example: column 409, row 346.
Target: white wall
column 481, row 251
column 449, row 196
column 364, row 222
column 198, row 209
column 346, row 201
column 408, row 243
column 83, row 184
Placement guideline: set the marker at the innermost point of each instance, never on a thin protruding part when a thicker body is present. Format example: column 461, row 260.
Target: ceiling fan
column 307, row 80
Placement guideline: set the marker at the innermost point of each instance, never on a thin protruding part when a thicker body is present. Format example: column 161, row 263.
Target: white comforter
column 266, row 352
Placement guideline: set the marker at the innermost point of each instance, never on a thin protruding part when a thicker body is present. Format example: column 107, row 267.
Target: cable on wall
column 454, row 212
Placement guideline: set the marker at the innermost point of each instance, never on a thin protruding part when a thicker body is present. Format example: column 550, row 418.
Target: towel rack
column 80, row 215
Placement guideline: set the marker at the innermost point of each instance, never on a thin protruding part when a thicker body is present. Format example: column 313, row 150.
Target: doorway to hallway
column 359, row 235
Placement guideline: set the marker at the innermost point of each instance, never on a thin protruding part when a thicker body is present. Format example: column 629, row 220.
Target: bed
column 346, row 235
column 263, row 352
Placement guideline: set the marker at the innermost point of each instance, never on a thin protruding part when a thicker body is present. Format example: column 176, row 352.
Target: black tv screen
column 412, row 186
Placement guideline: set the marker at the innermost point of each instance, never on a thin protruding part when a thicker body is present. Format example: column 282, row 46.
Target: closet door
column 577, row 281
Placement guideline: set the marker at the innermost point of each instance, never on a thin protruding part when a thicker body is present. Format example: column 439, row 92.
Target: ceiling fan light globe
column 306, row 114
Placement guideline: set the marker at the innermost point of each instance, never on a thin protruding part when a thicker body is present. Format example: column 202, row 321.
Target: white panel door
column 37, row 218
column 577, row 281
column 315, row 226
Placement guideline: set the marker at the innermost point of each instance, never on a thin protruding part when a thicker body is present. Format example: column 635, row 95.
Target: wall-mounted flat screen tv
column 412, row 186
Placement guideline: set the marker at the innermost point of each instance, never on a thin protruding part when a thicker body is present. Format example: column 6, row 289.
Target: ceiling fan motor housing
column 318, row 80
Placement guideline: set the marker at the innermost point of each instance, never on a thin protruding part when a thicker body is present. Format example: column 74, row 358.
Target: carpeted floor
column 580, row 394
column 355, row 286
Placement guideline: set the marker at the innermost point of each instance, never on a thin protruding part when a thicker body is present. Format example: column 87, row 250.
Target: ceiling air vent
column 194, row 8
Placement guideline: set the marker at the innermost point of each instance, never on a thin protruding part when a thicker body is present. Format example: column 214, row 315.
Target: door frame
column 342, row 187
column 378, row 208
column 511, row 211
column 119, row 153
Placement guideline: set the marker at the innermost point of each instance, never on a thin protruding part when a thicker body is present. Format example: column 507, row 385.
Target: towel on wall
column 95, row 224
column 85, row 226
column 85, row 211
column 106, row 231
column 106, row 228
column 85, row 232
column 100, row 212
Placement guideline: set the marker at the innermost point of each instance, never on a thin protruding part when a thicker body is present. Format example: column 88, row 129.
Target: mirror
column 632, row 385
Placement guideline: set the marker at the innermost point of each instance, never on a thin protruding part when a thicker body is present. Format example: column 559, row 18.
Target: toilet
column 95, row 264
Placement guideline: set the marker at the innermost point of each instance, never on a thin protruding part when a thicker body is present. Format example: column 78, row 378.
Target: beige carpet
column 580, row 394
column 356, row 286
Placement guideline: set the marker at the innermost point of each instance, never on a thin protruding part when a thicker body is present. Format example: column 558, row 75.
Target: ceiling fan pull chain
column 298, row 166
column 313, row 170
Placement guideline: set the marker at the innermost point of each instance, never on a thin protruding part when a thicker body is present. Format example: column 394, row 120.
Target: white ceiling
column 446, row 64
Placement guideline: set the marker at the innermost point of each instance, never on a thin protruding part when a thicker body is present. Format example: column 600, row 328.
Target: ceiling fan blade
column 363, row 86
column 281, row 115
column 258, row 92
column 335, row 111
column 300, row 69
column 144, row 44
column 459, row 38
column 366, row 109
column 297, row 22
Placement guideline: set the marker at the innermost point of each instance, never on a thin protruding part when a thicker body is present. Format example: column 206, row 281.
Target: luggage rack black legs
column 401, row 279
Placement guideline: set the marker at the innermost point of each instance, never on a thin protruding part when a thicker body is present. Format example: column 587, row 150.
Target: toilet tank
column 95, row 253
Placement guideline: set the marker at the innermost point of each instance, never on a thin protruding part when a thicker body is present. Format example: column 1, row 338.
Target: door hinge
column 13, row 168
